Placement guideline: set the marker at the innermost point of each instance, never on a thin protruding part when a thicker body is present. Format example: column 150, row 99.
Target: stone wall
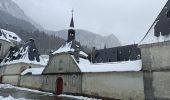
column 161, row 85
column 11, row 79
column 61, row 63
column 119, row 85
column 156, row 56
column 30, row 81
column 5, row 46
column 71, row 83
column 16, row 69
column 156, row 66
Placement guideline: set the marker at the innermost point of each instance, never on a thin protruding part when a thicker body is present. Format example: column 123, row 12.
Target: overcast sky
column 129, row 20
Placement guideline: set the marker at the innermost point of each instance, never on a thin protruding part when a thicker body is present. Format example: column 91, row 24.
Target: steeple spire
column 72, row 21
column 71, row 31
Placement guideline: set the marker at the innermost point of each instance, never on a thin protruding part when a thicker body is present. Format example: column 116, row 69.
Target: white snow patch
column 11, row 98
column 24, row 58
column 67, row 48
column 78, row 97
column 11, row 36
column 86, row 66
column 34, row 71
column 45, row 57
column 8, row 86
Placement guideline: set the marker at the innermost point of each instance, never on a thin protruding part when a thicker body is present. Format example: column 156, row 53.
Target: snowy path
column 9, row 92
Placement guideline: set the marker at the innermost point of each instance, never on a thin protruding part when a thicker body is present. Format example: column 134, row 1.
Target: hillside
column 90, row 39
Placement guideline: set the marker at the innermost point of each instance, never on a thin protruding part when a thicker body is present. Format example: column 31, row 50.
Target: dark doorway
column 0, row 79
column 59, row 86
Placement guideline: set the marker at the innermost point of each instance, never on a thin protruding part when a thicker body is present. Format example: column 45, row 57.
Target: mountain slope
column 6, row 21
column 13, row 9
column 90, row 39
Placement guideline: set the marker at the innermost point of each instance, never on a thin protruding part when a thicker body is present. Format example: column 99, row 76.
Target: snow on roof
column 86, row 66
column 28, row 53
column 150, row 38
column 9, row 36
column 66, row 48
column 34, row 71
column 3, row 36
column 45, row 57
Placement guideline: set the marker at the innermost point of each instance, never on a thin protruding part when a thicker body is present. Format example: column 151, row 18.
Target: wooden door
column 59, row 86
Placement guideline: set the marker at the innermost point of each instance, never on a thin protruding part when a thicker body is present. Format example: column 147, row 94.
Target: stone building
column 19, row 59
column 116, row 54
column 155, row 53
column 7, row 40
column 70, row 72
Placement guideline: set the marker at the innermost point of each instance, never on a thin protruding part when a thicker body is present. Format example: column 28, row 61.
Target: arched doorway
column 59, row 86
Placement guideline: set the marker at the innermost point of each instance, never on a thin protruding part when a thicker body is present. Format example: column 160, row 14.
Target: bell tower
column 71, row 31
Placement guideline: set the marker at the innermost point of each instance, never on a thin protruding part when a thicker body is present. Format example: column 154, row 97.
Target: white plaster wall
column 160, row 56
column 123, row 85
column 11, row 79
column 4, row 48
column 29, row 81
column 71, row 83
column 161, row 84
column 61, row 63
column 15, row 69
column 156, row 56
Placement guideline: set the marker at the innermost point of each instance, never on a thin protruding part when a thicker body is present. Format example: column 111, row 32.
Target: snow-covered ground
column 11, row 98
column 79, row 97
column 8, row 86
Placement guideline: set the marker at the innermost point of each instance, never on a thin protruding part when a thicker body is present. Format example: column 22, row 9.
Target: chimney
column 93, row 53
column 76, row 53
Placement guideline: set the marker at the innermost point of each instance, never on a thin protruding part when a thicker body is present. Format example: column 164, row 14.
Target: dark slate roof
column 26, row 53
column 162, row 26
column 106, row 55
column 123, row 53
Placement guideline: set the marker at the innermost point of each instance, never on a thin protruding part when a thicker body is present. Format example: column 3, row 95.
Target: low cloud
column 129, row 20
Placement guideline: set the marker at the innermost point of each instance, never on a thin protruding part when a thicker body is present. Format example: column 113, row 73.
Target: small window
column 15, row 38
column 168, row 13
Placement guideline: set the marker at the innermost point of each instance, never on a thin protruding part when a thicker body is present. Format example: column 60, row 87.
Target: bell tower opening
column 71, row 31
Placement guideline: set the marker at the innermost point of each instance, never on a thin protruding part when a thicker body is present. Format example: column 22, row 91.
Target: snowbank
column 86, row 66
column 34, row 71
column 8, row 86
column 11, row 98
column 79, row 97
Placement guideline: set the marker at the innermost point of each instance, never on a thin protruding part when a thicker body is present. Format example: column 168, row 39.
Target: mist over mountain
column 91, row 39
column 13, row 9
column 13, row 18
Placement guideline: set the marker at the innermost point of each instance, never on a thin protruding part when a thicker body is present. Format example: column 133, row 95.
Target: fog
column 129, row 20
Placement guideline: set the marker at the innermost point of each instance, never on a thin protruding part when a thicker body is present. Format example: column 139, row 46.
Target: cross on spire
column 72, row 11
column 72, row 21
